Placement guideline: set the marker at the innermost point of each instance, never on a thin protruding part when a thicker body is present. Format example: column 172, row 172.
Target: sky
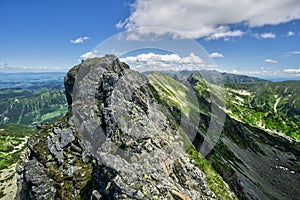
column 253, row 37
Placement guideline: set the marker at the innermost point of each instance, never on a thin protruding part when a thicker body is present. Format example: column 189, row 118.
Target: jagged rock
column 54, row 147
column 117, row 143
column 66, row 137
column 76, row 148
column 38, row 185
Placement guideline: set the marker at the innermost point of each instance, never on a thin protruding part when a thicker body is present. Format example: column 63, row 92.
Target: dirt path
column 20, row 146
column 276, row 103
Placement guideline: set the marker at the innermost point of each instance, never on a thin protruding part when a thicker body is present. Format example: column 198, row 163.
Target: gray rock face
column 41, row 186
column 66, row 137
column 118, row 143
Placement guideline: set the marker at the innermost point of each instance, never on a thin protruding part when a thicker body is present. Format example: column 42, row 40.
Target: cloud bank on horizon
column 194, row 19
column 166, row 62
column 174, row 62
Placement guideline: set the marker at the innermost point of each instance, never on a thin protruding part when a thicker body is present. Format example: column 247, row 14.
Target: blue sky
column 258, row 38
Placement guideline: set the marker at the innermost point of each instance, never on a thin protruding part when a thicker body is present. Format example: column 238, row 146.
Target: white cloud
column 290, row 33
column 216, row 55
column 270, row 61
column 268, row 35
column 202, row 18
column 32, row 69
column 159, row 62
column 292, row 71
column 79, row 40
column 294, row 52
column 257, row 73
column 121, row 24
column 3, row 65
column 224, row 32
column 254, row 72
column 89, row 54
column 288, row 73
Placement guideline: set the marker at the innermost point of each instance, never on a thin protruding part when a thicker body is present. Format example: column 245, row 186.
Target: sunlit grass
column 214, row 180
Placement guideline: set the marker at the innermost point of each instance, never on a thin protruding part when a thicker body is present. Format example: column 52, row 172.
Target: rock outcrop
column 116, row 142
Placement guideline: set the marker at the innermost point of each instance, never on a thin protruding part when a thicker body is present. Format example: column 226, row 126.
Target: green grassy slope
column 175, row 94
column 12, row 141
column 33, row 109
column 273, row 107
column 249, row 158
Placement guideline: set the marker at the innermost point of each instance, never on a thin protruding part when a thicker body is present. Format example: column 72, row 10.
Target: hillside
column 257, row 164
column 273, row 107
column 31, row 109
column 13, row 138
column 31, row 98
column 28, row 99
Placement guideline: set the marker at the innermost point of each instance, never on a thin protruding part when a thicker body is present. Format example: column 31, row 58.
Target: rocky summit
column 116, row 142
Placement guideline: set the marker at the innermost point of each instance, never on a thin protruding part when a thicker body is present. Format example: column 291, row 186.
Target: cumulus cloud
column 166, row 62
column 212, row 19
column 79, row 40
column 89, row 54
column 292, row 71
column 290, row 33
column 268, row 35
column 270, row 61
column 216, row 55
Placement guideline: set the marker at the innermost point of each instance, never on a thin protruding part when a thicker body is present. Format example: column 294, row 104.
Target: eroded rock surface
column 117, row 142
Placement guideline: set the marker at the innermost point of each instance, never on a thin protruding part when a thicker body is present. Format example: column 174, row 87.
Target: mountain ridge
column 239, row 143
column 66, row 160
column 104, row 151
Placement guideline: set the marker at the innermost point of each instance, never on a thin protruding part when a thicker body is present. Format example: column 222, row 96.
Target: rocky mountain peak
column 117, row 142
